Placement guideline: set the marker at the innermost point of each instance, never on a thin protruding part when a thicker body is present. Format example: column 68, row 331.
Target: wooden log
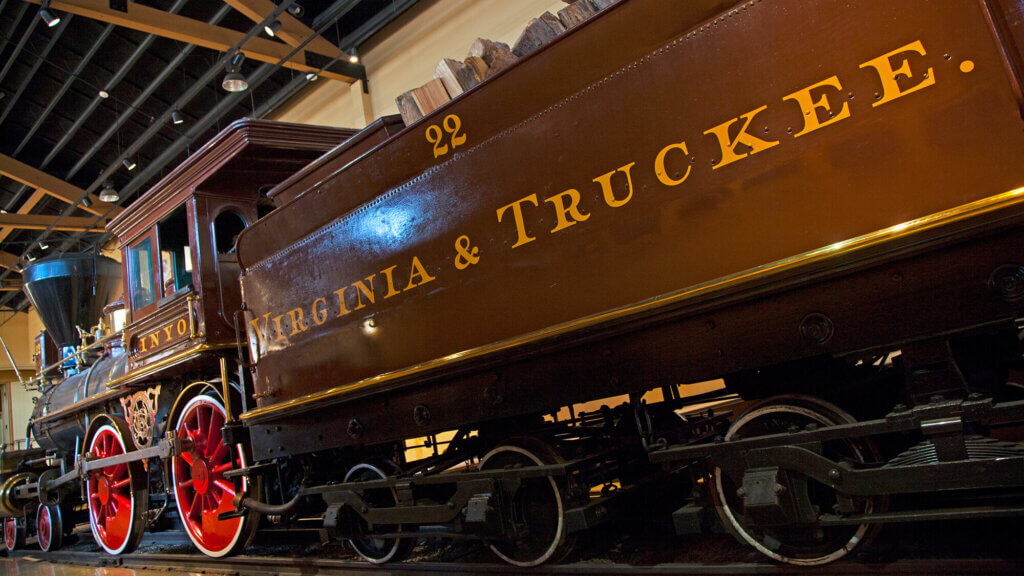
column 497, row 55
column 430, row 96
column 538, row 32
column 456, row 76
column 478, row 66
column 574, row 14
column 408, row 108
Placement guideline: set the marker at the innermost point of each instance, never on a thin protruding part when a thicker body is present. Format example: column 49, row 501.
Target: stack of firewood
column 486, row 57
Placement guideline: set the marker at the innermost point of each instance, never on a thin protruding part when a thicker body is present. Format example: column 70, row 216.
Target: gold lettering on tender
column 562, row 210
column 517, row 211
column 605, row 180
column 182, row 326
column 319, row 314
column 659, row 165
column 298, row 321
column 261, row 333
column 277, row 324
column 142, row 344
column 363, row 290
column 388, row 273
column 810, row 107
column 167, row 331
column 418, row 275
column 890, row 78
column 341, row 301
column 728, row 145
column 154, row 339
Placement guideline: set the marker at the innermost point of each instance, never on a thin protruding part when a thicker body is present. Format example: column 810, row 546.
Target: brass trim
column 944, row 218
column 78, row 351
column 89, row 401
column 191, row 318
column 170, row 360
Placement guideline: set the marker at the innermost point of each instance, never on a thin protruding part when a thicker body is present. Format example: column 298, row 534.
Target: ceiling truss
column 39, row 209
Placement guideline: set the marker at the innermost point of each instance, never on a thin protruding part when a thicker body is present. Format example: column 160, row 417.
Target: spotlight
column 104, row 94
column 128, row 164
column 233, row 80
column 47, row 16
column 2, row 211
column 176, row 117
column 109, row 194
column 86, row 202
column 353, row 57
column 296, row 10
column 44, row 246
column 273, row 28
column 30, row 257
column 311, row 76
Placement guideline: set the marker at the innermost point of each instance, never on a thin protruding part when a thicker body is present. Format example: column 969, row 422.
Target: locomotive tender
column 820, row 203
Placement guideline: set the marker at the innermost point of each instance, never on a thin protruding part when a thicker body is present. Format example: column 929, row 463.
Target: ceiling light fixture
column 47, row 16
column 233, row 80
column 353, row 56
column 273, row 28
column 296, row 10
column 104, row 94
column 311, row 76
column 86, row 202
column 176, row 117
column 128, row 164
column 109, row 194
column 30, row 257
column 44, row 246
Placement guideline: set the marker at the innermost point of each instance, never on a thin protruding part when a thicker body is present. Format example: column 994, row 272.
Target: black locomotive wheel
column 378, row 550
column 537, row 506
column 49, row 528
column 14, row 533
column 805, row 545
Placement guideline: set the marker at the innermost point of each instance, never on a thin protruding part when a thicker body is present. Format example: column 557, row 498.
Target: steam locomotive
column 823, row 207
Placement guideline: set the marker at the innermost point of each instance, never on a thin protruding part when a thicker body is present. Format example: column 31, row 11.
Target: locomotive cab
column 180, row 271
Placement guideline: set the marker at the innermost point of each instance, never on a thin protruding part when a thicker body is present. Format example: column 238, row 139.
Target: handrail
column 78, row 352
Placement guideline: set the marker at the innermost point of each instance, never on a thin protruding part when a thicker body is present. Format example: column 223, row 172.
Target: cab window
column 140, row 264
column 175, row 253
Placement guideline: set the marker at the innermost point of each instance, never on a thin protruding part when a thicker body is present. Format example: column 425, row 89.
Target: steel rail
column 289, row 566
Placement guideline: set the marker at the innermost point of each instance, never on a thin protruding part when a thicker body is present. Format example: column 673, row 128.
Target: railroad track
column 169, row 552
column 265, row 566
column 967, row 548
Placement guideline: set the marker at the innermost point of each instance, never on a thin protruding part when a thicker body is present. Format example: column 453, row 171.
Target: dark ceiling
column 53, row 117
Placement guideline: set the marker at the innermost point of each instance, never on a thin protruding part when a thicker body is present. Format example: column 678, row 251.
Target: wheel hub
column 200, row 475
column 103, row 490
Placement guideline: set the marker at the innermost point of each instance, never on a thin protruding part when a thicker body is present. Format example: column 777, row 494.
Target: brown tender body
column 715, row 264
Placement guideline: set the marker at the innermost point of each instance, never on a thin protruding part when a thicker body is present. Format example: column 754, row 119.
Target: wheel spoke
column 196, row 510
column 187, row 457
column 225, row 486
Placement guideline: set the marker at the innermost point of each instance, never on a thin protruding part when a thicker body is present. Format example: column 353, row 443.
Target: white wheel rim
column 174, row 478
column 92, row 520
column 560, row 528
column 750, row 539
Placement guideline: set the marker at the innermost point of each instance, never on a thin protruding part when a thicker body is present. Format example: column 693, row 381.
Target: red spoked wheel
column 14, row 533
column 116, row 494
column 200, row 488
column 49, row 528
